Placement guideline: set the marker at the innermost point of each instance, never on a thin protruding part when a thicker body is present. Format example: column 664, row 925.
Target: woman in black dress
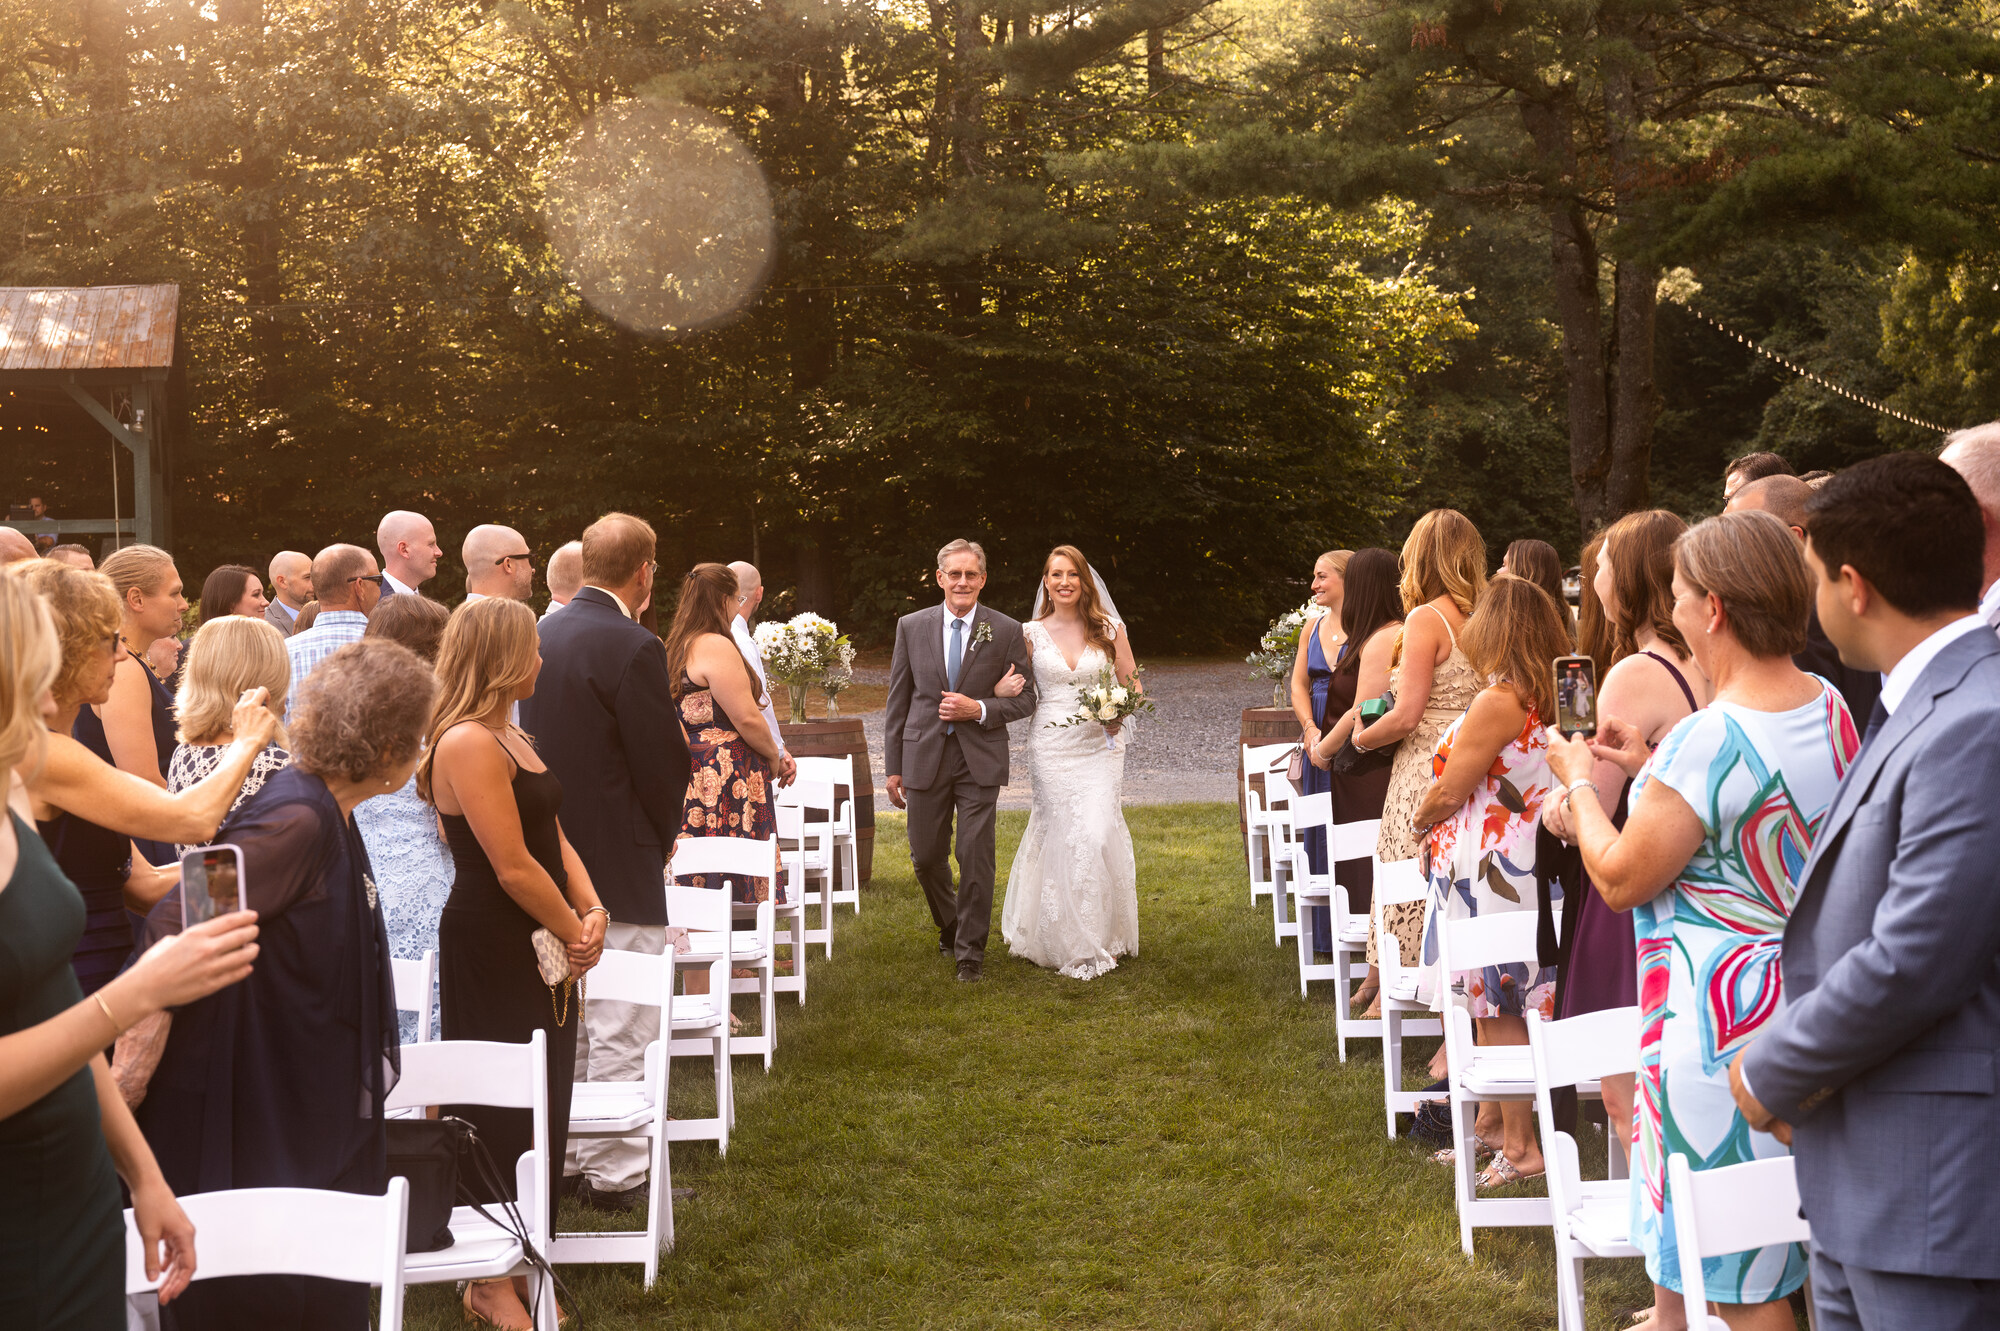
column 279, row 1082
column 65, row 1133
column 516, row 873
column 134, row 729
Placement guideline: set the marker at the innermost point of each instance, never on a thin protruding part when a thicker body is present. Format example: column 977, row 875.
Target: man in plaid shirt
column 347, row 585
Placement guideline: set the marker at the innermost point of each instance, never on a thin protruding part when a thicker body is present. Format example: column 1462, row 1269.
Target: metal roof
column 87, row 328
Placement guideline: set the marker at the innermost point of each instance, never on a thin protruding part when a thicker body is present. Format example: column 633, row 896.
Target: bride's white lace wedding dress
column 1073, row 891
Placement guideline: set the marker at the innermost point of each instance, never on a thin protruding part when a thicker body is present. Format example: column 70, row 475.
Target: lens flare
column 662, row 218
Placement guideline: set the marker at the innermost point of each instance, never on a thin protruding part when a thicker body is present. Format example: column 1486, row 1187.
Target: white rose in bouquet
column 1120, row 695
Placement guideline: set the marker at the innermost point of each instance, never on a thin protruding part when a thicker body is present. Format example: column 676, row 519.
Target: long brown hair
column 1642, row 576
column 1444, row 555
column 488, row 651
column 1514, row 637
column 1098, row 630
column 1593, row 630
column 707, row 605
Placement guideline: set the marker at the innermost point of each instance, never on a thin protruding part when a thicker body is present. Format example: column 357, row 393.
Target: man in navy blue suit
column 1880, row 1068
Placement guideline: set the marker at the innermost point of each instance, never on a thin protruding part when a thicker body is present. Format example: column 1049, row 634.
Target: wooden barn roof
column 87, row 328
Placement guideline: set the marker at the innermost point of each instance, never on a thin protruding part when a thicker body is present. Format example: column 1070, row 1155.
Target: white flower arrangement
column 805, row 650
column 1279, row 646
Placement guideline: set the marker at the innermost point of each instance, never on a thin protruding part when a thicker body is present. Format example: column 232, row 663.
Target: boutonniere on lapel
column 981, row 632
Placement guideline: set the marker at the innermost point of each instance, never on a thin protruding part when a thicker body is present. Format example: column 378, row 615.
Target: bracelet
column 105, row 1008
column 1590, row 786
column 598, row 910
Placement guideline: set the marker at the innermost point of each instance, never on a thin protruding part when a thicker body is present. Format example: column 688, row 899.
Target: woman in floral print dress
column 1722, row 818
column 732, row 750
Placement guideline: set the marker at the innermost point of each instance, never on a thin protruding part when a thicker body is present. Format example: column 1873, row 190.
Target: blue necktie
column 954, row 656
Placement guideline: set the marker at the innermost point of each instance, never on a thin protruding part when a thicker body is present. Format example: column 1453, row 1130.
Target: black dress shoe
column 601, row 1199
column 945, row 942
column 968, row 972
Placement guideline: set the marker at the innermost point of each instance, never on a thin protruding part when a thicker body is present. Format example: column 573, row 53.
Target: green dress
column 62, row 1225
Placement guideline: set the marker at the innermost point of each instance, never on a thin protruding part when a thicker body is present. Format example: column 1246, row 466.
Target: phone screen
column 1576, row 695
column 211, row 883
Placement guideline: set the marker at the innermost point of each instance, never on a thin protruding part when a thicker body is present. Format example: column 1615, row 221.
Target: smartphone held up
column 1576, row 696
column 211, row 883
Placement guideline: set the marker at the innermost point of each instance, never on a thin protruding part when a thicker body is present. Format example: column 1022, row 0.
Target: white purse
column 552, row 957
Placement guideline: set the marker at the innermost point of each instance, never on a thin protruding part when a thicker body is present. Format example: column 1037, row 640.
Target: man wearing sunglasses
column 348, row 584
column 497, row 563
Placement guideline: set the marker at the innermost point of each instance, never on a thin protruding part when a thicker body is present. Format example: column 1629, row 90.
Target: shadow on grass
column 1171, row 1145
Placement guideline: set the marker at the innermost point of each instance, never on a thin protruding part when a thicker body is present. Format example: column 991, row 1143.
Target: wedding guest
column 406, row 848
column 228, row 657
column 1879, row 1067
column 233, row 589
column 565, row 576
column 1721, row 815
column 1372, row 609
column 1651, row 682
column 308, row 616
column 14, row 546
column 76, row 556
column 732, row 752
column 66, row 1136
column 134, row 729
column 1444, row 573
column 608, row 729
column 1815, row 479
column 1537, row 562
column 410, row 552
column 1785, row 498
column 497, row 563
column 348, row 587
column 163, row 658
column 1751, row 467
column 1320, row 648
column 291, row 588
column 1975, row 455
column 516, row 873
column 87, row 810
column 1479, row 818
column 1593, row 633
column 749, row 596
column 278, row 1081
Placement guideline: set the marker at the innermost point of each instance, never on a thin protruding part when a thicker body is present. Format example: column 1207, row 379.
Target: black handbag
column 426, row 1152
column 1350, row 761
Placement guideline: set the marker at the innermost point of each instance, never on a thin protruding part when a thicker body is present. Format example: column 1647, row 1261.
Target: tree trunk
column 1156, row 59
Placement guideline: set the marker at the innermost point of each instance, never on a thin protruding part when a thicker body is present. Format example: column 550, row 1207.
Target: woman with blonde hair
column 516, row 873
column 66, row 1135
column 228, row 656
column 87, row 810
column 133, row 729
column 1321, row 649
column 1444, row 573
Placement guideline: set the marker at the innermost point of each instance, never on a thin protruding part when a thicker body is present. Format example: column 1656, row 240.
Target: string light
column 1804, row 373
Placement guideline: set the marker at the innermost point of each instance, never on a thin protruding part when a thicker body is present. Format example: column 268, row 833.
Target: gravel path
column 1186, row 751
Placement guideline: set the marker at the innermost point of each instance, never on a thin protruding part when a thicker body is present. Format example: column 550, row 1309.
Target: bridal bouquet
column 802, row 651
column 1106, row 702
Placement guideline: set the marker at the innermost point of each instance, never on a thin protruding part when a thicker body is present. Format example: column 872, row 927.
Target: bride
column 1072, row 893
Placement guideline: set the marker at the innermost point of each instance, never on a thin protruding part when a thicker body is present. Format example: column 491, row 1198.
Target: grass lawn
column 1172, row 1145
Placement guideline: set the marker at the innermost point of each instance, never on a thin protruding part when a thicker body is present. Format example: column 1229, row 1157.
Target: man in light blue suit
column 1880, row 1069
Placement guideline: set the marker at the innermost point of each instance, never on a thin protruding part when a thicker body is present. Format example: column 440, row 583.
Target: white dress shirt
column 290, row 613
column 1896, row 685
column 964, row 644
column 623, row 609
column 1989, row 605
column 747, row 645
column 397, row 588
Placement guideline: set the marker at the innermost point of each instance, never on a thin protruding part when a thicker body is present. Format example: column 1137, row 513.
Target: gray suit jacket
column 1883, row 1054
column 277, row 618
column 912, row 734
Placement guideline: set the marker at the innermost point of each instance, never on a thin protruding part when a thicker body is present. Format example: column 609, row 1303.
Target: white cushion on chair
column 609, row 1105
column 475, row 1241
column 1603, row 1223
column 694, row 1010
column 1498, row 1070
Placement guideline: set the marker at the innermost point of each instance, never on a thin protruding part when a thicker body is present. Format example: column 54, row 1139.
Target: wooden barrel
column 1261, row 725
column 842, row 737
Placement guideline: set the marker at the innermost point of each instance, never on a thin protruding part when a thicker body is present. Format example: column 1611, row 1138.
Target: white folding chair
column 1344, row 841
column 699, row 1023
column 1351, row 841
column 839, row 773
column 1398, row 882
column 1262, row 811
column 504, row 1076
column 629, row 1109
column 1479, row 1072
column 1732, row 1209
column 415, row 982
column 291, row 1232
column 730, row 860
column 1592, row 1217
column 805, row 812
column 788, row 910
column 1282, row 830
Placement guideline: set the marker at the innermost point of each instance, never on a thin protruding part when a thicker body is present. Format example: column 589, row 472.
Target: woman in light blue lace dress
column 412, row 865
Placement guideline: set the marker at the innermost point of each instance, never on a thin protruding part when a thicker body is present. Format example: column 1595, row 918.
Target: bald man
column 1975, row 455
column 497, row 563
column 348, row 587
column 291, row 588
column 410, row 551
column 1784, row 498
column 565, row 576
column 15, row 546
column 750, row 595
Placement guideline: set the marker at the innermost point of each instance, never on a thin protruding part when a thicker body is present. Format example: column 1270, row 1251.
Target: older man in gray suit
column 944, row 744
column 1880, row 1069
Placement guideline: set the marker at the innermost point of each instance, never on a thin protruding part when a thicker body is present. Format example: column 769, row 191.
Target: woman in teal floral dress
column 1723, row 817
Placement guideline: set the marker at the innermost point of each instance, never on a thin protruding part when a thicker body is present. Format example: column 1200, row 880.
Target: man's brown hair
column 614, row 548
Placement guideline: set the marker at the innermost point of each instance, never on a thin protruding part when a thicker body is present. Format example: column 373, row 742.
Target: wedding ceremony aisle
column 1172, row 1145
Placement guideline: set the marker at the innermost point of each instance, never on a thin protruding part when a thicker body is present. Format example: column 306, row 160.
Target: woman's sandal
column 1481, row 1149
column 1364, row 997
column 478, row 1318
column 1501, row 1172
